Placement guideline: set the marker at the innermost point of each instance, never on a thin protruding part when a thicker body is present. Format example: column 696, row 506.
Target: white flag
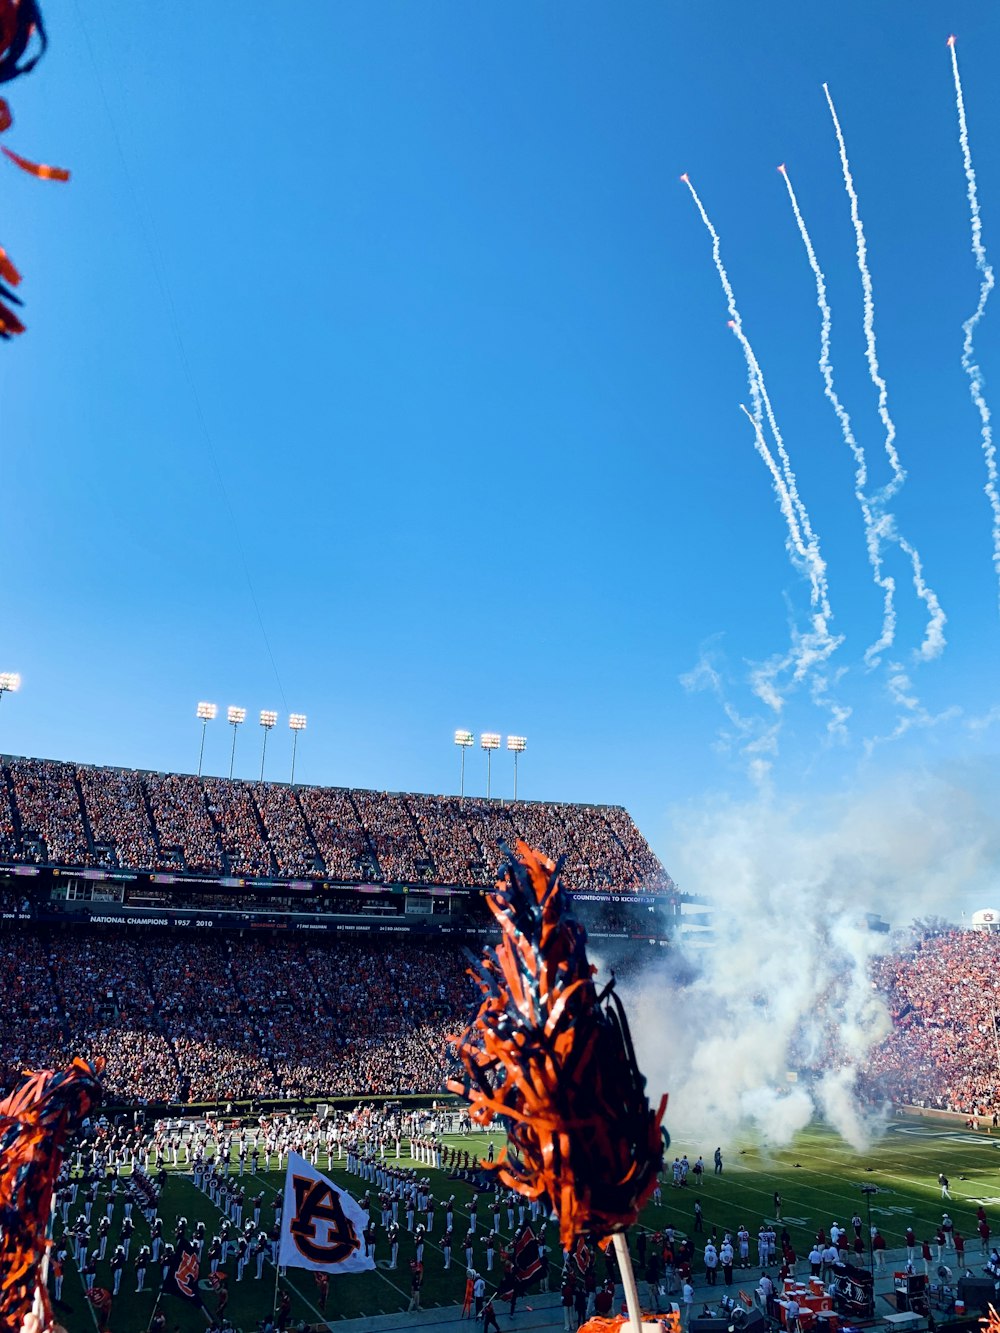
column 322, row 1227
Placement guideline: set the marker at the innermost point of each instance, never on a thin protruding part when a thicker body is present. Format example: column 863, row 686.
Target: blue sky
column 402, row 310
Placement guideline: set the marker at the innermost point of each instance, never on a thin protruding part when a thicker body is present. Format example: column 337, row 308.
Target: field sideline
column 818, row 1177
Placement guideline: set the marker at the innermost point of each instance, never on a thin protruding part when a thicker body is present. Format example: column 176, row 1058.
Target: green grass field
column 818, row 1177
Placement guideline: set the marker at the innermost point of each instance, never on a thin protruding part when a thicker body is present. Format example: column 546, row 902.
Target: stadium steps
column 148, row 807
column 15, row 813
column 372, row 853
column 88, row 832
column 262, row 830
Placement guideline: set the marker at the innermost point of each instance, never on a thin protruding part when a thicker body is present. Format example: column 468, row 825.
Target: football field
column 818, row 1177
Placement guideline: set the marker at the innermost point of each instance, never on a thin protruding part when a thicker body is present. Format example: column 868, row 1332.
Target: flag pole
column 629, row 1283
column 152, row 1313
column 277, row 1274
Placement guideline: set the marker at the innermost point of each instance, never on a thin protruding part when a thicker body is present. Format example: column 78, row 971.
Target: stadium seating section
column 71, row 815
column 943, row 1050
column 196, row 1019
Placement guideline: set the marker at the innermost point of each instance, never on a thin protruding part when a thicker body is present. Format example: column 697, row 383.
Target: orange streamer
column 669, row 1323
column 38, row 169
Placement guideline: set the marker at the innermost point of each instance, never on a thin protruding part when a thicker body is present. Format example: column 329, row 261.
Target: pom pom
column 21, row 32
column 34, row 1122
column 553, row 1061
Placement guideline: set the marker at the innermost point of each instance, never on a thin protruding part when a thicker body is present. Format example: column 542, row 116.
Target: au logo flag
column 527, row 1260
column 182, row 1275
column 321, row 1226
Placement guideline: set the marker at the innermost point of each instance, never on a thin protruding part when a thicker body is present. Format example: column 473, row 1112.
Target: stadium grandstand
column 943, row 1050
column 217, row 940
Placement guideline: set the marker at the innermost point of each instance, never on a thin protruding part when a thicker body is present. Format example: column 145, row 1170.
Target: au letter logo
column 319, row 1228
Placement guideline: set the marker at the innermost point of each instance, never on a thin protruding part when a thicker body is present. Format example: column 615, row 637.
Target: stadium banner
column 321, row 1226
column 634, row 898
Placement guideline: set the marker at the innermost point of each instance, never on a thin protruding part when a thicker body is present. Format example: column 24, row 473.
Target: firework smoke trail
column 803, row 542
column 758, row 390
column 727, row 287
column 898, row 475
column 780, row 486
column 874, row 528
column 809, row 651
column 968, row 328
column 807, row 547
column 934, row 640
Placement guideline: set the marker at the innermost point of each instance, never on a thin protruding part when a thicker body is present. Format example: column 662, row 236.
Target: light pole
column 267, row 721
column 463, row 739
column 868, row 1191
column 490, row 741
column 10, row 682
column 297, row 722
column 206, row 713
column 236, row 717
column 518, row 745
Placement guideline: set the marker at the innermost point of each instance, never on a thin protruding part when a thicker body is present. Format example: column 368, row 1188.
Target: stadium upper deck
column 77, row 817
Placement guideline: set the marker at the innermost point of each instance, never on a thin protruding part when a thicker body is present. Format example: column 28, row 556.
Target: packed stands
column 217, row 998
column 944, row 996
column 199, row 1019
column 47, row 803
column 70, row 815
column 119, row 819
column 184, row 831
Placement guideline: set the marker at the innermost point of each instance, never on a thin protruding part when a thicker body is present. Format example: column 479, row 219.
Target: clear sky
column 399, row 314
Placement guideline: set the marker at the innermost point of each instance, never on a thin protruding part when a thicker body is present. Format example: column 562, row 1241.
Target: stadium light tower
column 206, row 713
column 267, row 721
column 518, row 745
column 297, row 722
column 463, row 739
column 236, row 717
column 490, row 741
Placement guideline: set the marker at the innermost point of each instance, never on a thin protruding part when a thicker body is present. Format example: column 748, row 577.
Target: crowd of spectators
column 198, row 1019
column 183, row 824
column 943, row 1050
column 48, row 803
column 118, row 817
column 8, row 835
column 241, row 831
column 31, row 1033
column 77, row 816
column 286, row 831
column 336, row 830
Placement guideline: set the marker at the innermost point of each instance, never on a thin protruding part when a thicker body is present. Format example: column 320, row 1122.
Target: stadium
column 219, row 940
column 267, row 968
column 374, row 362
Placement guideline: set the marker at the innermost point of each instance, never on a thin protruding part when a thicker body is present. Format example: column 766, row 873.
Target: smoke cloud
column 768, row 1024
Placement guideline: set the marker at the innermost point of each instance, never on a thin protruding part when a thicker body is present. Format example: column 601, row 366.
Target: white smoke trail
column 898, row 475
column 756, row 740
column 808, row 547
column 873, row 528
column 969, row 327
column 934, row 640
column 780, row 485
column 809, row 650
column 912, row 712
column 804, row 541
